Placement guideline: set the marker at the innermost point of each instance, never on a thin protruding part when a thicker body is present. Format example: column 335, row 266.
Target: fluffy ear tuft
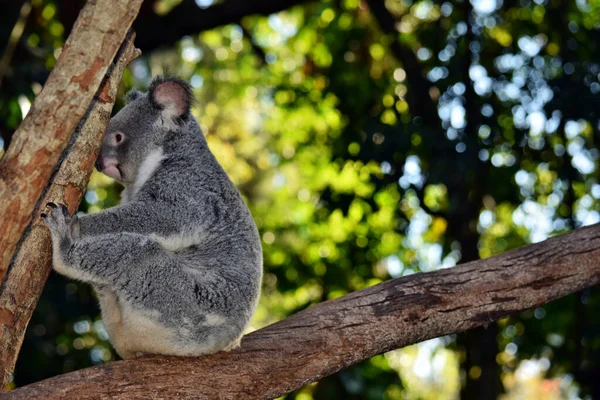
column 172, row 96
column 133, row 95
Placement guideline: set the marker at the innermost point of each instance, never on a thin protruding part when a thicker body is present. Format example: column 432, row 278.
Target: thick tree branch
column 56, row 111
column 189, row 19
column 31, row 264
column 335, row 334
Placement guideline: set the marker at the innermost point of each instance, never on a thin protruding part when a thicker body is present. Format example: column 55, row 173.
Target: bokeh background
column 371, row 140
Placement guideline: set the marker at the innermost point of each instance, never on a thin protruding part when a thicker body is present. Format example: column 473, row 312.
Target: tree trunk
column 481, row 344
column 335, row 334
column 40, row 142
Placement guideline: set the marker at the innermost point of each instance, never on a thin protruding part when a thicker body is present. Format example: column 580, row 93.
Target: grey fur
column 181, row 254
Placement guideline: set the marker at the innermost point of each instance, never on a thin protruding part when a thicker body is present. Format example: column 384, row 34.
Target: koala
column 177, row 266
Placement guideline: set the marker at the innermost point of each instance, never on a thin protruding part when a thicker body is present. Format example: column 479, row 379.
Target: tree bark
column 338, row 333
column 31, row 264
column 40, row 140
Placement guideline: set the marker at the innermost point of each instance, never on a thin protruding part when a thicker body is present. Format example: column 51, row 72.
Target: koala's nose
column 98, row 164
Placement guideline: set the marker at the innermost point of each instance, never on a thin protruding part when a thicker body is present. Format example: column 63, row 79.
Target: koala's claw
column 59, row 221
column 62, row 207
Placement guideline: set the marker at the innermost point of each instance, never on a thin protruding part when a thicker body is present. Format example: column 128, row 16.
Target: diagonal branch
column 189, row 19
column 418, row 98
column 31, row 263
column 258, row 51
column 56, row 111
column 13, row 40
column 338, row 333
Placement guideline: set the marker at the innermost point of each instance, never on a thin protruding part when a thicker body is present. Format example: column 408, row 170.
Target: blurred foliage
column 323, row 118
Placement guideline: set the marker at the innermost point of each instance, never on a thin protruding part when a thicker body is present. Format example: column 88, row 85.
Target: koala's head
column 142, row 125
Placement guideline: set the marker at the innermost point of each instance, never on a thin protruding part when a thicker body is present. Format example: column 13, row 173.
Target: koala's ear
column 133, row 95
column 172, row 96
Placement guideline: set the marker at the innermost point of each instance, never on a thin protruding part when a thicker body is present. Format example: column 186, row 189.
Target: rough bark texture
column 31, row 264
column 56, row 111
column 335, row 334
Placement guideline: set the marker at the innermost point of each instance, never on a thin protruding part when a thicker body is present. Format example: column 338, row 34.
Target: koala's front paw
column 63, row 227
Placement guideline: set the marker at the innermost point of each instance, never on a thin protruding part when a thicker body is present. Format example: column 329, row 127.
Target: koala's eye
column 119, row 138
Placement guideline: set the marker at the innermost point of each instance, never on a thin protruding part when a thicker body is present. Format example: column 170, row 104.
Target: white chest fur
column 145, row 171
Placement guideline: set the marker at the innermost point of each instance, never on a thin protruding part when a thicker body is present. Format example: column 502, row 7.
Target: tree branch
column 13, row 39
column 189, row 19
column 419, row 100
column 56, row 111
column 31, row 264
column 258, row 51
column 335, row 334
